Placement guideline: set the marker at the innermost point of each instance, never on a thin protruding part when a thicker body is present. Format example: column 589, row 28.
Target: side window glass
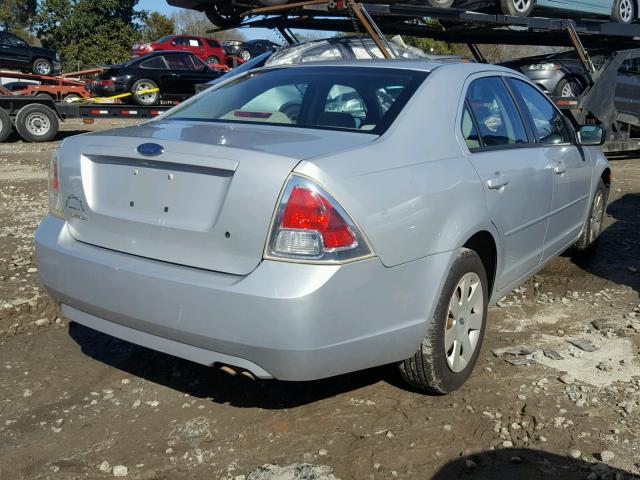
column 179, row 62
column 469, row 131
column 321, row 53
column 548, row 123
column 154, row 63
column 495, row 112
column 182, row 41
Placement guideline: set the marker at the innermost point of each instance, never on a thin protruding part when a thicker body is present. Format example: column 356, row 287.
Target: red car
column 207, row 49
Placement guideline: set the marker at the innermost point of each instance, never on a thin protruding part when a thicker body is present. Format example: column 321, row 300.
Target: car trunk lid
column 203, row 202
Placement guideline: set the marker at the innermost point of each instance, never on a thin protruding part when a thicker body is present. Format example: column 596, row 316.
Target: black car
column 249, row 49
column 17, row 54
column 563, row 75
column 170, row 75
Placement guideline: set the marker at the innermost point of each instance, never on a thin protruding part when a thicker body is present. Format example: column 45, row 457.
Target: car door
column 571, row 167
column 186, row 71
column 14, row 51
column 518, row 182
column 626, row 97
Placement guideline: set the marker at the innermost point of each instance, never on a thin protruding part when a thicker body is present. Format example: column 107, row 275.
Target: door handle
column 497, row 182
column 560, row 168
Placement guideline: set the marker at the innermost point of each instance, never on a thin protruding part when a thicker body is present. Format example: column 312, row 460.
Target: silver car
column 372, row 224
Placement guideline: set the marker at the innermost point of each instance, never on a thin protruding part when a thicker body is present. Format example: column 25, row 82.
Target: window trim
column 525, row 123
column 530, row 120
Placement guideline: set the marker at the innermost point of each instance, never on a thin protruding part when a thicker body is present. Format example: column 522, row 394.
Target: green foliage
column 196, row 23
column 89, row 32
column 17, row 13
column 436, row 47
column 156, row 26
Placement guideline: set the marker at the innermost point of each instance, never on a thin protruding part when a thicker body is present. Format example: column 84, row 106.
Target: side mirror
column 591, row 135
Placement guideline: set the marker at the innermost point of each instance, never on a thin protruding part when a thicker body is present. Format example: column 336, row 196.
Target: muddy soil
column 75, row 403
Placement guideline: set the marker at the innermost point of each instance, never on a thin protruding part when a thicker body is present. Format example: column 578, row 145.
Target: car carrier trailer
column 596, row 104
column 37, row 119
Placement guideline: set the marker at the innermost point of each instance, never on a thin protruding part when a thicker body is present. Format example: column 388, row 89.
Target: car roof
column 422, row 65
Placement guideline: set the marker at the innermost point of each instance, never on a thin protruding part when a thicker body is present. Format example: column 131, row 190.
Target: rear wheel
column 213, row 60
column 245, row 55
column 452, row 344
column 624, row 11
column 45, row 95
column 42, row 66
column 568, row 87
column 517, row 8
column 5, row 125
column 588, row 241
column 143, row 94
column 72, row 98
column 36, row 123
column 223, row 15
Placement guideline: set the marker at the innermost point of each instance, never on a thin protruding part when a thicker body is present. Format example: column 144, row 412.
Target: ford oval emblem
column 150, row 149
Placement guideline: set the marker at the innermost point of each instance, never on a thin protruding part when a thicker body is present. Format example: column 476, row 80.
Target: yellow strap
column 114, row 97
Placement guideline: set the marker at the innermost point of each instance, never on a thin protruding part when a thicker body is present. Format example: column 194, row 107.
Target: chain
column 356, row 29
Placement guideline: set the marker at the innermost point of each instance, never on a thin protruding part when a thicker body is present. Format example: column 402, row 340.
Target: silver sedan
column 302, row 222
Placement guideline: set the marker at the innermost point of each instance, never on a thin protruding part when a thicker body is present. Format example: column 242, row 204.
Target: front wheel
column 624, row 11
column 568, row 87
column 245, row 55
column 590, row 237
column 517, row 8
column 440, row 3
column 213, row 60
column 452, row 344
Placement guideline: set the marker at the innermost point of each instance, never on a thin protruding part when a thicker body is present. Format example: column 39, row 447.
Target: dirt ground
column 75, row 403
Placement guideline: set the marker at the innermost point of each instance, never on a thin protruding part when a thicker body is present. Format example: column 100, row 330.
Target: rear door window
column 496, row 115
column 549, row 125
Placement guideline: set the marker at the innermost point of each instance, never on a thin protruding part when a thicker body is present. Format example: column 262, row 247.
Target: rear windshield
column 343, row 98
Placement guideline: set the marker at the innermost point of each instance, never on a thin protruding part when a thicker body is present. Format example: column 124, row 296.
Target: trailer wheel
column 36, row 123
column 42, row 66
column 5, row 125
column 624, row 11
column 72, row 98
column 517, row 8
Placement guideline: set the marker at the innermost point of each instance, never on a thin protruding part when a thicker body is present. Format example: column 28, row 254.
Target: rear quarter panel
column 412, row 191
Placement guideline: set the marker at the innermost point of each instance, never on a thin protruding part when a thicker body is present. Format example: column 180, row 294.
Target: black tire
column 590, row 237
column 429, row 369
column 147, row 99
column 224, row 15
column 624, row 11
column 6, row 125
column 245, row 55
column 42, row 66
column 568, row 87
column 213, row 60
column 440, row 3
column 37, row 123
column 517, row 8
column 45, row 95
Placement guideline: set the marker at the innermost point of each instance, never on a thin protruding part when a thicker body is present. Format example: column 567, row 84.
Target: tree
column 196, row 23
column 156, row 26
column 17, row 13
column 89, row 32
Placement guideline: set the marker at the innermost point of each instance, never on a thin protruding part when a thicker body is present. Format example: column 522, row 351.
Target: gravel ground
column 75, row 403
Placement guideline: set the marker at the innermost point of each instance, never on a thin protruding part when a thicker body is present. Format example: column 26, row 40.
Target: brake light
column 310, row 225
column 103, row 83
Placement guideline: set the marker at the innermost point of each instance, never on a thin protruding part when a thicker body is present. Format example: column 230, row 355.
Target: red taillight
column 310, row 225
column 308, row 210
column 55, row 181
column 103, row 83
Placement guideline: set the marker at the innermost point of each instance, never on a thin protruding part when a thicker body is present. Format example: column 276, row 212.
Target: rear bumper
column 284, row 320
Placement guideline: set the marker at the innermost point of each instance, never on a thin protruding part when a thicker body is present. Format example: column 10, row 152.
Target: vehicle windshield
column 364, row 99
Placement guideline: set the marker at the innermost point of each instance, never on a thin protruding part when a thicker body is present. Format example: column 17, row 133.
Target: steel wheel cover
column 597, row 214
column 521, row 5
column 43, row 68
column 37, row 124
column 464, row 322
